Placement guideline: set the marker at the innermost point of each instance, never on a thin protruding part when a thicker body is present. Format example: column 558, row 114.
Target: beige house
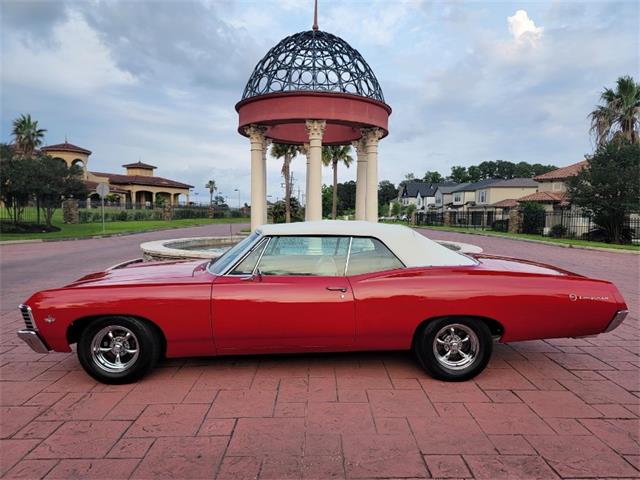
column 138, row 185
column 486, row 193
column 552, row 192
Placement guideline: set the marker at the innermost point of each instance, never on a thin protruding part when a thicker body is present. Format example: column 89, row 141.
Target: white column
column 371, row 137
column 314, row 170
column 305, row 150
column 258, row 175
column 361, row 180
column 265, row 147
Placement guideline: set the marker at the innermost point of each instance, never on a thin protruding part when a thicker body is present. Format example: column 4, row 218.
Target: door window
column 302, row 255
column 247, row 266
column 370, row 255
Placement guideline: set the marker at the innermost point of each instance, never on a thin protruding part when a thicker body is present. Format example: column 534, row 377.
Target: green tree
column 459, row 174
column 539, row 169
column 609, row 187
column 287, row 153
column 387, row 192
column 487, row 169
column 617, row 117
column 433, row 177
column 396, row 209
column 333, row 155
column 278, row 211
column 27, row 136
column 212, row 187
column 55, row 181
column 17, row 181
column 505, row 169
column 346, row 197
column 474, row 173
column 533, row 217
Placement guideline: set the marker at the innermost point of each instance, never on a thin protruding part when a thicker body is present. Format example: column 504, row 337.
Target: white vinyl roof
column 412, row 248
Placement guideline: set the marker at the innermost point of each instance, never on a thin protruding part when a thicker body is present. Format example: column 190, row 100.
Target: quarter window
column 302, row 255
column 370, row 255
column 248, row 264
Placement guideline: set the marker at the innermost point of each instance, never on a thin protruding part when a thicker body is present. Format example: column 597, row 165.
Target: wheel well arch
column 75, row 328
column 495, row 327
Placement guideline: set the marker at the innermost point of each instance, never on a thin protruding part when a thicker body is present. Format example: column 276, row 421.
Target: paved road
column 560, row 408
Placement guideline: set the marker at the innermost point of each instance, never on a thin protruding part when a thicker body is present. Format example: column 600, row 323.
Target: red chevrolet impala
column 318, row 286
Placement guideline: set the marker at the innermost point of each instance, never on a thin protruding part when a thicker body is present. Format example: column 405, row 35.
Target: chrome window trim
column 261, row 254
column 346, row 263
column 250, row 249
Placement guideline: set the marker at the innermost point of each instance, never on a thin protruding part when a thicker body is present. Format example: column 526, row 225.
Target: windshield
column 231, row 255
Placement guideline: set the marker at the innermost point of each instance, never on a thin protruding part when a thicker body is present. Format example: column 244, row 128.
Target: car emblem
column 573, row 297
column 50, row 319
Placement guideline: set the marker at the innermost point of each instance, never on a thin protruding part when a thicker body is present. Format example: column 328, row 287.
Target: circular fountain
column 212, row 247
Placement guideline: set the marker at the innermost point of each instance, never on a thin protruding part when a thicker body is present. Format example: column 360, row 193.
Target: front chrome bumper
column 617, row 320
column 31, row 338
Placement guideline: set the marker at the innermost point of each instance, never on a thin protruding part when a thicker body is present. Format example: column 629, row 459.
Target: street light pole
column 238, row 190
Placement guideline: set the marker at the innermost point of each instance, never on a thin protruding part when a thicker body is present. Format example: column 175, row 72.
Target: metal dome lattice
column 313, row 61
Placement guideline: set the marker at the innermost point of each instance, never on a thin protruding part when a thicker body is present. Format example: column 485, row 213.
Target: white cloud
column 74, row 62
column 523, row 28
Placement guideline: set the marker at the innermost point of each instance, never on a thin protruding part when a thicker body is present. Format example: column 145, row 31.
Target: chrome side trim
column 617, row 320
column 27, row 316
column 31, row 338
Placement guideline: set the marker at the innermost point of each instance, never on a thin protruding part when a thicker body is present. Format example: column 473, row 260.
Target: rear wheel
column 118, row 349
column 454, row 349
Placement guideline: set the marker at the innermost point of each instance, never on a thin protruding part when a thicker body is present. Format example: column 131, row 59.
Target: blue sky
column 467, row 81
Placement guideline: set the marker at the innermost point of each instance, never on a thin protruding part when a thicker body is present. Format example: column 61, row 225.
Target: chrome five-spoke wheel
column 454, row 349
column 119, row 349
column 456, row 346
column 115, row 348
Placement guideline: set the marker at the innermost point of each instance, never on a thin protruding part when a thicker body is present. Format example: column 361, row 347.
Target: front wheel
column 118, row 350
column 454, row 349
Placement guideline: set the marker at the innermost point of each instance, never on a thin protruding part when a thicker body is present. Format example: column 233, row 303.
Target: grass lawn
column 527, row 236
column 95, row 229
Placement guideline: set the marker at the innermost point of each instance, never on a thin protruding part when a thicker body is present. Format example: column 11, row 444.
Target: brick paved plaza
column 545, row 409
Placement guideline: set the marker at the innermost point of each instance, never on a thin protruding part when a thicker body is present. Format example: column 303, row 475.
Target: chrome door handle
column 337, row 289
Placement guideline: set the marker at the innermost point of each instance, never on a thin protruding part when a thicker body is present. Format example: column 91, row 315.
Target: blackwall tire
column 454, row 349
column 118, row 349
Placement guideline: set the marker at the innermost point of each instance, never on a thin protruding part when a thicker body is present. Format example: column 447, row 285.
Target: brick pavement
column 544, row 409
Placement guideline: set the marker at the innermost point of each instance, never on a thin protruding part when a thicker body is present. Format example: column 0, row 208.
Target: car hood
column 145, row 273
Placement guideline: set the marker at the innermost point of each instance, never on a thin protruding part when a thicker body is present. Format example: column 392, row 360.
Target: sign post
column 102, row 190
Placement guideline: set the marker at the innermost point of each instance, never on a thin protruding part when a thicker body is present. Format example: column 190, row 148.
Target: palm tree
column 27, row 136
column 287, row 153
column 212, row 187
column 618, row 117
column 332, row 155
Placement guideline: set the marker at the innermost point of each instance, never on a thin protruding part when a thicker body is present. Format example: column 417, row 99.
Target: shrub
column 533, row 218
column 84, row 216
column 558, row 231
column 500, row 225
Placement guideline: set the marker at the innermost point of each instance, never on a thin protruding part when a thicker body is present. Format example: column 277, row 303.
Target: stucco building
column 138, row 185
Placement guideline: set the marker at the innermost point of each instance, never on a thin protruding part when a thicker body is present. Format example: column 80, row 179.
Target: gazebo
column 314, row 89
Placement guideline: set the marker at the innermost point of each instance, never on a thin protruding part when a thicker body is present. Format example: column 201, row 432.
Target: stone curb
column 543, row 242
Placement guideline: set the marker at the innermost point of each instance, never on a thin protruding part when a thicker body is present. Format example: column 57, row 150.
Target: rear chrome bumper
column 617, row 320
column 31, row 338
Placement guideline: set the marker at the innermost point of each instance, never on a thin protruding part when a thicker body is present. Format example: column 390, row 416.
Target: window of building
column 457, row 197
column 483, row 196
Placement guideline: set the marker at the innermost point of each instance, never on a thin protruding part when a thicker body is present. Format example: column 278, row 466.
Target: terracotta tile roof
column 91, row 186
column 117, row 179
column 562, row 173
column 545, row 197
column 508, row 203
column 65, row 147
column 139, row 165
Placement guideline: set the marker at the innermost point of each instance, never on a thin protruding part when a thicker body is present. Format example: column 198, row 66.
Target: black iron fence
column 559, row 224
column 91, row 211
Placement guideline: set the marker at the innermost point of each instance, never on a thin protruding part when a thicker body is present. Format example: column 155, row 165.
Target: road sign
column 102, row 189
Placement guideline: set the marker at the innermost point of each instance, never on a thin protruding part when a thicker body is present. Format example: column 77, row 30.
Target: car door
column 288, row 294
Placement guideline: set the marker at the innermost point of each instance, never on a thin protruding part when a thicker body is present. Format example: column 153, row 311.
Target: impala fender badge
column 573, row 297
column 50, row 319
